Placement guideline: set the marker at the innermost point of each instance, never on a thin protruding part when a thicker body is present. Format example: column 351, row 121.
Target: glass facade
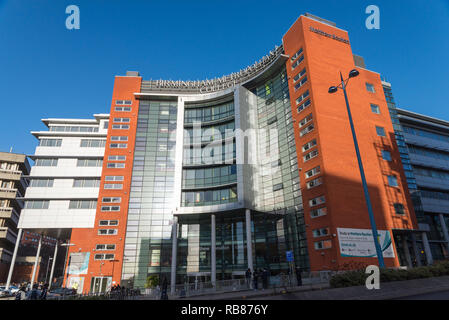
column 148, row 237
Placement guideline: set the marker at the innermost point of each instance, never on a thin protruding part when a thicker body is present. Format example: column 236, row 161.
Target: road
column 443, row 295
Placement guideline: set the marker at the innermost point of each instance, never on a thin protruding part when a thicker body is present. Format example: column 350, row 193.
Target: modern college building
column 204, row 179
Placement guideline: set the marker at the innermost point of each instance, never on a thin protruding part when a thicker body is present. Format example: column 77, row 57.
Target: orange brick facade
column 324, row 58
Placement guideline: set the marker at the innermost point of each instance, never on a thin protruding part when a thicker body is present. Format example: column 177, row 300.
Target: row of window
column 209, row 113
column 73, row 129
column 209, row 197
column 42, row 162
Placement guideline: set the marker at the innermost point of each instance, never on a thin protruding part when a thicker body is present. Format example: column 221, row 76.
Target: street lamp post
column 354, row 73
column 46, row 273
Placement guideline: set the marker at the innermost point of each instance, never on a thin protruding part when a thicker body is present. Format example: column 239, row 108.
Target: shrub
column 152, row 281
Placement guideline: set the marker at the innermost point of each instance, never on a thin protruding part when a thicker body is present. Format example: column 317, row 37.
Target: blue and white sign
column 289, row 256
column 360, row 243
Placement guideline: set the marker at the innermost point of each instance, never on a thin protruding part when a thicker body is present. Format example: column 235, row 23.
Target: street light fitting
column 353, row 73
column 333, row 89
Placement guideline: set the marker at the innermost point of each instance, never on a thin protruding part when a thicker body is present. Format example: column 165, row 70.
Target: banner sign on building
column 78, row 263
column 360, row 243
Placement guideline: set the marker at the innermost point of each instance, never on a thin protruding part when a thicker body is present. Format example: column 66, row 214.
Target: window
column 272, row 120
column 37, row 204
column 86, row 183
column 375, row 108
column 299, row 75
column 312, row 172
column 89, row 163
column 103, row 232
column 50, row 142
column 306, row 120
column 380, row 131
column 310, row 155
column 108, row 222
column 309, row 145
column 399, row 208
column 125, row 120
column 120, row 126
column 104, row 256
column 317, row 201
column 73, row 129
column 304, row 105
column 92, row 143
column 105, row 247
column 116, row 165
column 111, row 200
column 315, row 213
column 321, row 232
column 297, row 62
column 118, row 145
column 392, row 181
column 296, row 55
column 116, row 158
column 123, row 102
column 302, row 97
column 314, row 183
column 117, row 186
column 119, row 138
column 110, row 208
column 300, row 83
column 46, row 162
column 369, row 87
column 114, row 178
column 105, row 124
column 83, row 204
column 278, row 186
column 123, row 109
column 305, row 131
column 386, row 155
column 325, row 244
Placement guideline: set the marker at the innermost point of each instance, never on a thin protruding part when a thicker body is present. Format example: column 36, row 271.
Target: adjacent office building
column 13, row 170
column 204, row 179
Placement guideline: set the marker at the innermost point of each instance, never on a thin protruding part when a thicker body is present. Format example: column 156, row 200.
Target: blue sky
column 49, row 71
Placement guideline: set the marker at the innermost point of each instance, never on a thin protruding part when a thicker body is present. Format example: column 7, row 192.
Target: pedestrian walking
column 43, row 295
column 164, row 295
column 32, row 294
column 255, row 276
column 265, row 278
column 298, row 276
column 248, row 278
column 21, row 294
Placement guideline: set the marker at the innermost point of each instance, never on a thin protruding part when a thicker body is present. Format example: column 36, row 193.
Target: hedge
column 358, row 277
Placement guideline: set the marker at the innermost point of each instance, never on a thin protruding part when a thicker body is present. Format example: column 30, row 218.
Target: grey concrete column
column 213, row 263
column 444, row 229
column 13, row 261
column 415, row 250
column 53, row 265
column 36, row 261
column 406, row 251
column 425, row 243
column 249, row 242
column 174, row 251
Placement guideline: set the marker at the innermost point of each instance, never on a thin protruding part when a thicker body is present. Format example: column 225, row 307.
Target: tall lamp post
column 354, row 73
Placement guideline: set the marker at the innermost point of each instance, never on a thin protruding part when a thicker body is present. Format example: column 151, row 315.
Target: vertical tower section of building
column 338, row 225
column 105, row 241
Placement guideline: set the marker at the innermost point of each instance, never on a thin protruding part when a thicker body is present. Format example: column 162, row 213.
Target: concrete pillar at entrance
column 53, row 266
column 425, row 242
column 406, row 251
column 249, row 243
column 174, row 252
column 444, row 229
column 13, row 261
column 415, row 250
column 213, row 263
column 37, row 260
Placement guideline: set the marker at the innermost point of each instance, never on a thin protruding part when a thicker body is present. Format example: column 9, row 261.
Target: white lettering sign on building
column 360, row 243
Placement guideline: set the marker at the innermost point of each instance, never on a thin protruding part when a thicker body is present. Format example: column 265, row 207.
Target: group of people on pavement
column 255, row 276
column 33, row 293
